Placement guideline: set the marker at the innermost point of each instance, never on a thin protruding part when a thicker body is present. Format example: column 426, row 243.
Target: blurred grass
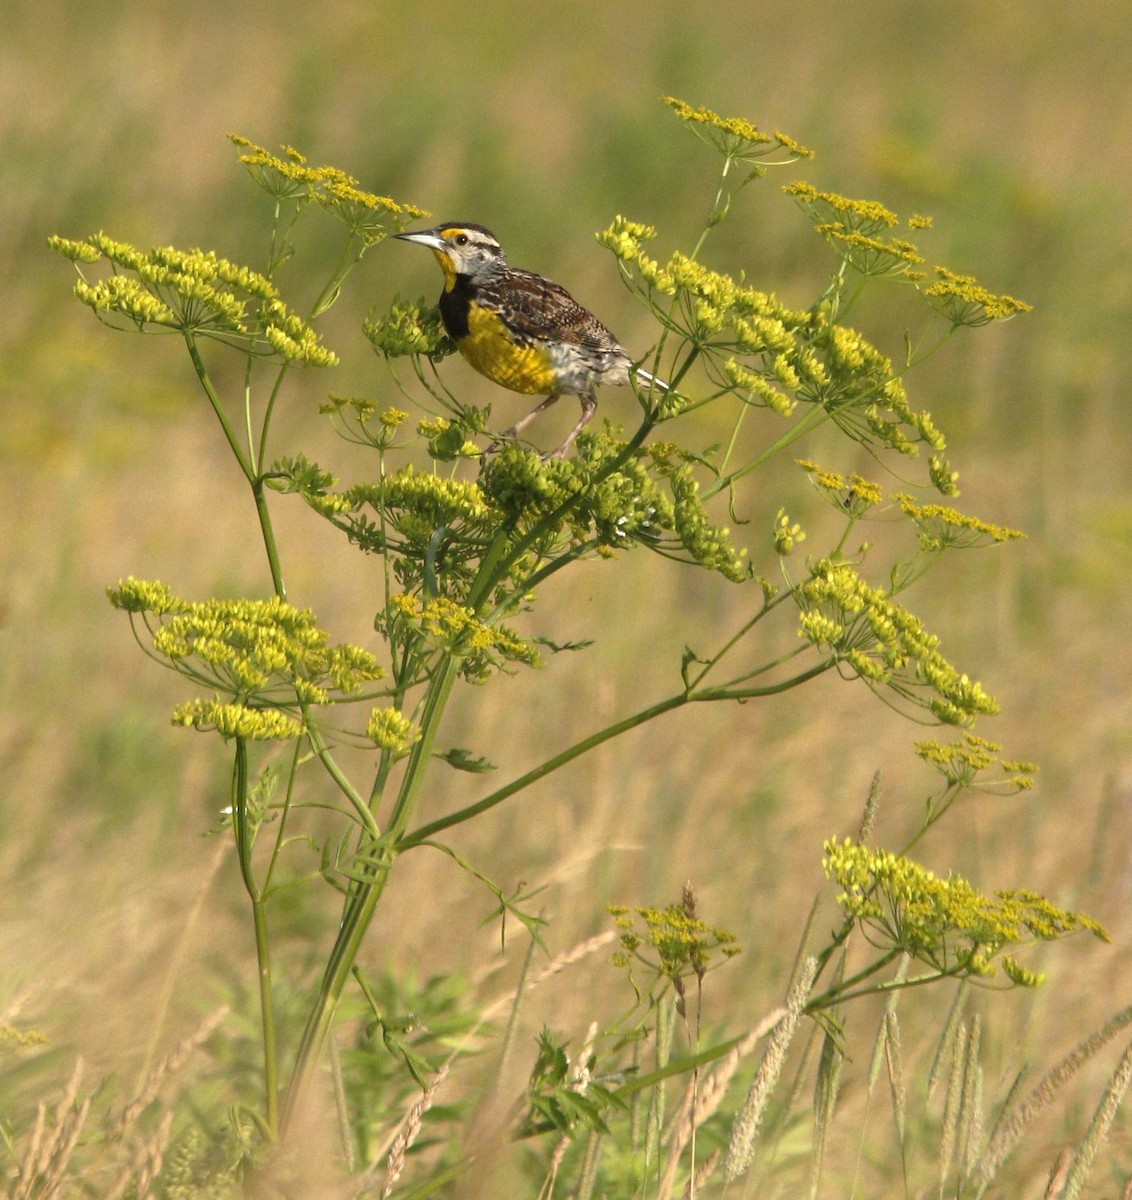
column 1010, row 124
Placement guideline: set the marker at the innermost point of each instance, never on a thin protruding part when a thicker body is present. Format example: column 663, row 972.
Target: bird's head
column 462, row 248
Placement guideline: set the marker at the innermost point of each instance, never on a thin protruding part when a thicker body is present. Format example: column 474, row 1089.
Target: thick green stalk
column 364, row 898
column 268, row 533
column 355, row 922
column 244, row 838
column 436, row 698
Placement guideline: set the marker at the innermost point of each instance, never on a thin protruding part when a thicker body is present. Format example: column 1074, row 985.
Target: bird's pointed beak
column 425, row 237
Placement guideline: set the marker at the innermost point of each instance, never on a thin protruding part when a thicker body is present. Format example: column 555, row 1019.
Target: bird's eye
column 461, row 239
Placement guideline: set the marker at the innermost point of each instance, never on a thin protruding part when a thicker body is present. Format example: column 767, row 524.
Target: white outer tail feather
column 649, row 378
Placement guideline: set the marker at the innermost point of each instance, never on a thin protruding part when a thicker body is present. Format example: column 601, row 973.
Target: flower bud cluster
column 407, row 329
column 392, row 731
column 483, row 648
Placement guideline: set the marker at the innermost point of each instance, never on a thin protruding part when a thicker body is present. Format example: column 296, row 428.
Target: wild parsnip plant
column 467, row 544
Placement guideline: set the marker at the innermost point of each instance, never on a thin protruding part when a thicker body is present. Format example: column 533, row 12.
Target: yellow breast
column 490, row 348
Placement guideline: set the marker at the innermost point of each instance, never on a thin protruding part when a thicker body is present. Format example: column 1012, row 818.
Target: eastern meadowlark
column 521, row 330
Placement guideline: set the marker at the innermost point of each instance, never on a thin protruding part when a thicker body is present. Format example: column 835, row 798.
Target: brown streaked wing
column 537, row 308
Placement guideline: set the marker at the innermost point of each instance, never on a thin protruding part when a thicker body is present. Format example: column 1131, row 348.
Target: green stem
column 267, row 1009
column 815, row 417
column 254, row 478
column 423, row 832
column 440, row 688
column 835, row 996
column 347, row 261
column 710, row 664
column 284, row 816
column 729, row 691
column 240, row 826
column 355, row 922
column 268, row 533
column 840, row 990
column 261, row 454
column 706, row 696
column 837, row 940
column 946, row 800
column 336, row 773
column 363, row 899
column 718, row 209
column 244, row 840
column 240, row 818
column 218, row 409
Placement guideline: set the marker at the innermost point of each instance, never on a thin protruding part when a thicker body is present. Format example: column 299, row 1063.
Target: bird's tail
column 649, row 379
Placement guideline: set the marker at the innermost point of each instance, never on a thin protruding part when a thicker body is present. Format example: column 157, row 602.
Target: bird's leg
column 509, row 435
column 519, row 426
column 589, row 407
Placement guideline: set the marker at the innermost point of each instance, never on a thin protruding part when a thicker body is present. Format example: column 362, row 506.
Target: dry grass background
column 1010, row 123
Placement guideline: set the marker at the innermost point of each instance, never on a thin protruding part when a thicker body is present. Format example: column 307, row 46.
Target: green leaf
column 686, row 660
column 507, row 904
column 558, row 647
column 462, row 760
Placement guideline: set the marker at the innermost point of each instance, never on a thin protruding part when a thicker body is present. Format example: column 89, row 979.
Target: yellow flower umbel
column 851, row 494
column 946, row 923
column 965, row 764
column 735, row 137
column 871, row 636
column 858, row 230
column 683, row 945
column 368, row 216
column 195, row 293
column 237, row 721
column 942, row 527
column 770, row 355
column 266, row 657
column 963, row 301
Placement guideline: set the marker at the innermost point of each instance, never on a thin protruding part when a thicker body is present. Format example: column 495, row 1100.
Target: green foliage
column 564, row 1096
